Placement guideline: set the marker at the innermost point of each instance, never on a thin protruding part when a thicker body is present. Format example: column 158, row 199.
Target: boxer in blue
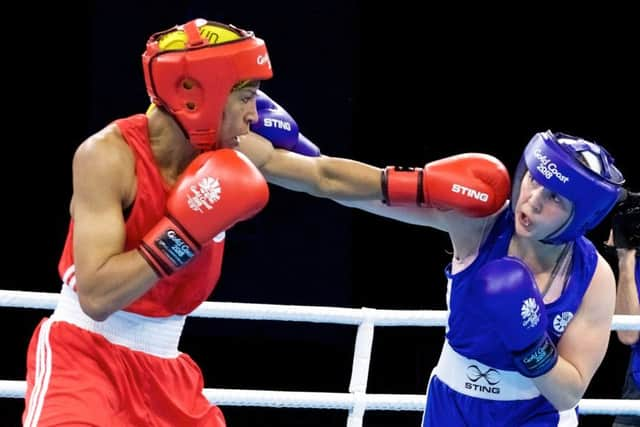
column 530, row 299
column 531, row 302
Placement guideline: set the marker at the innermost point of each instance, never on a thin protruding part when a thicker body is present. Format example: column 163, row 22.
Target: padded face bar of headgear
column 554, row 161
column 191, row 69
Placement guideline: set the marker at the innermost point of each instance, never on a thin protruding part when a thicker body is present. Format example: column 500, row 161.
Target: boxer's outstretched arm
column 359, row 185
column 475, row 185
column 321, row 176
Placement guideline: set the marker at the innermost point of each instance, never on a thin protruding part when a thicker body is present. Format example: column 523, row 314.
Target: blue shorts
column 464, row 392
column 447, row 407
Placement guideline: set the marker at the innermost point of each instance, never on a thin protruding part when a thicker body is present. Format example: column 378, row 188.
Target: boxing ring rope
column 356, row 401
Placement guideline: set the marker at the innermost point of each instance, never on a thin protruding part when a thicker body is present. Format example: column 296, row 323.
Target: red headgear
column 192, row 83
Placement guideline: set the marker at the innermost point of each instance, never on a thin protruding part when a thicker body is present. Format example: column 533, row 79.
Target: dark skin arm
column 107, row 278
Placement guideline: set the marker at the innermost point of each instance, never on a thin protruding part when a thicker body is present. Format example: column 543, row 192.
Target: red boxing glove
column 218, row 189
column 474, row 184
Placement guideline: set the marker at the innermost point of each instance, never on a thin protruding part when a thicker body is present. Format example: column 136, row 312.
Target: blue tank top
column 469, row 331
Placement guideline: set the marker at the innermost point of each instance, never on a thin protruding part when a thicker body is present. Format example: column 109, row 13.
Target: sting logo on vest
column 490, row 376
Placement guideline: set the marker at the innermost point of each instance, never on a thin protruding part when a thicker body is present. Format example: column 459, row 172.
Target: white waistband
column 472, row 378
column 158, row 336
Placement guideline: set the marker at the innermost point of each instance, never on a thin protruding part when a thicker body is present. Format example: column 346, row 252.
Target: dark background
column 388, row 85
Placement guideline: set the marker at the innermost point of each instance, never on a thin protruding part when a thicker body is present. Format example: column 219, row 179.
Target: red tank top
column 184, row 290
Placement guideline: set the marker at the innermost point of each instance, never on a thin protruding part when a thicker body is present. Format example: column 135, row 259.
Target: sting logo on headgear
column 191, row 69
column 581, row 171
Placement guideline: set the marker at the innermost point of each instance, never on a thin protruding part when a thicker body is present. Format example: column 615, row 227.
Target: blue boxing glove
column 511, row 299
column 276, row 125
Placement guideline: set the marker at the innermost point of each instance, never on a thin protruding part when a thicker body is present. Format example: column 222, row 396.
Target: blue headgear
column 557, row 161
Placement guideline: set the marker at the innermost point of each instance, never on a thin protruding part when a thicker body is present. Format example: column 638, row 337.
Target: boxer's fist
column 507, row 291
column 474, row 184
column 276, row 125
column 218, row 189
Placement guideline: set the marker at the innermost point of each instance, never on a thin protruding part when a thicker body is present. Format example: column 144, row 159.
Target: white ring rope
column 293, row 313
column 356, row 401
column 317, row 400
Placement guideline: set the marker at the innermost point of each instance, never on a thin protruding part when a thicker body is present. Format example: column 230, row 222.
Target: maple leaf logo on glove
column 206, row 194
column 530, row 313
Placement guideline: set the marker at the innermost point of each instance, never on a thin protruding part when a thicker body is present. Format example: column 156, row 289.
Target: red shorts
column 77, row 377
